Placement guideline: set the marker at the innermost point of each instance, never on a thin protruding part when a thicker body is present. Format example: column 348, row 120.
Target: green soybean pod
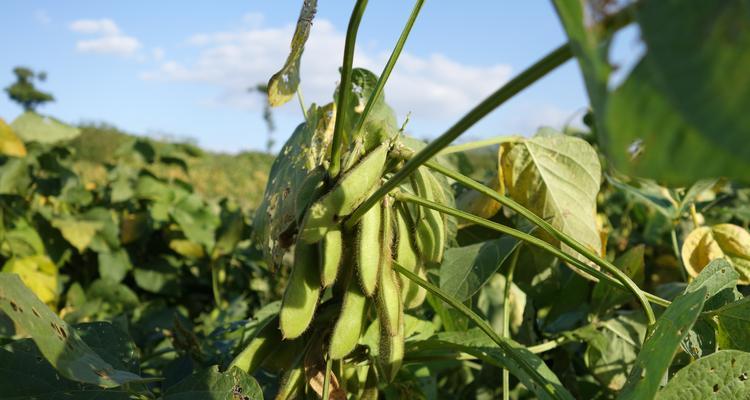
column 350, row 323
column 331, row 250
column 292, row 384
column 389, row 295
column 259, row 348
column 302, row 291
column 350, row 191
column 412, row 295
column 391, row 353
column 368, row 248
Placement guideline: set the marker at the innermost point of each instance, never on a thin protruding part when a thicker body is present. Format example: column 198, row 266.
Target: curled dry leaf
column 728, row 241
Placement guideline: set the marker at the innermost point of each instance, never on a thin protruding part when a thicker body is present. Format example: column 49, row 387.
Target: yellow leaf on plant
column 727, row 241
column 39, row 274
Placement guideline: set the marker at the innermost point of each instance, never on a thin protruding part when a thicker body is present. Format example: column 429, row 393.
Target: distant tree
column 262, row 88
column 24, row 92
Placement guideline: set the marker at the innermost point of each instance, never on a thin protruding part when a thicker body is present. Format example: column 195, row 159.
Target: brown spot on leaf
column 36, row 313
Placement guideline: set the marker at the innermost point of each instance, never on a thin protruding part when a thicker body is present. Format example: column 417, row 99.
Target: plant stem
column 302, row 103
column 547, row 227
column 551, row 61
column 478, row 144
column 383, row 78
column 327, row 378
column 345, row 87
column 532, row 240
column 215, row 283
column 506, row 316
column 547, row 346
column 509, row 351
column 678, row 256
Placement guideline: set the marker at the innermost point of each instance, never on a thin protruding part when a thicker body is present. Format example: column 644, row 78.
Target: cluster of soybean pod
column 357, row 264
column 325, row 253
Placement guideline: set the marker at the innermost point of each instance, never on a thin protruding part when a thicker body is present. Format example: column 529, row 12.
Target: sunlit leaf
column 660, row 347
column 39, row 274
column 59, row 344
column 31, row 126
column 722, row 375
column 10, row 144
column 734, row 325
column 727, row 241
column 283, row 85
column 210, row 384
column 79, row 233
column 557, row 177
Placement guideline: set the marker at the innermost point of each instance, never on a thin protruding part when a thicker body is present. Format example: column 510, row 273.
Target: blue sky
column 181, row 68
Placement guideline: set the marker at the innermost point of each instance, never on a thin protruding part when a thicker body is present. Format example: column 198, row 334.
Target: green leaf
column 14, row 176
column 662, row 109
column 114, row 265
column 294, row 182
column 25, row 374
column 491, row 301
column 606, row 296
column 196, row 220
column 734, row 325
column 283, row 85
column 158, row 276
column 720, row 281
column 476, row 343
column 465, row 269
column 589, row 47
column 31, row 126
column 660, row 347
column 59, row 344
column 557, row 177
column 722, row 375
column 613, row 348
column 210, row 384
column 79, row 233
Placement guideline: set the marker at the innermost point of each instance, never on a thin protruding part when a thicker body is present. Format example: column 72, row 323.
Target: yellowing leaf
column 77, row 233
column 557, row 177
column 719, row 241
column 38, row 273
column 187, row 248
column 10, row 144
column 283, row 84
column 479, row 204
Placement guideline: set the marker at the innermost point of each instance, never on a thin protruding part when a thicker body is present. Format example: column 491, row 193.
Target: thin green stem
column 327, row 378
column 532, row 240
column 302, row 103
column 678, row 256
column 557, row 234
column 509, row 351
column 547, row 346
column 215, row 283
column 541, row 68
column 478, row 144
column 383, row 78
column 506, row 316
column 345, row 87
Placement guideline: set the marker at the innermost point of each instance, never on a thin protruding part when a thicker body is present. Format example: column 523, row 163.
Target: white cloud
column 42, row 17
column 157, row 53
column 109, row 40
column 433, row 87
column 103, row 26
column 253, row 19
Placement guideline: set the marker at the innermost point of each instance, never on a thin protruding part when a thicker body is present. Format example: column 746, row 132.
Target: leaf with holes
column 660, row 347
column 60, row 345
column 210, row 384
column 557, row 177
column 722, row 375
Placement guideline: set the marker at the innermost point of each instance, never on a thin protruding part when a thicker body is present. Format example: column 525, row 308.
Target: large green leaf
column 660, row 347
column 557, row 177
column 283, row 85
column 59, row 344
column 77, row 232
column 720, row 281
column 683, row 109
column 734, row 325
column 210, row 384
column 465, row 269
column 722, row 375
column 25, row 374
column 587, row 42
column 293, row 183
column 476, row 343
column 31, row 126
